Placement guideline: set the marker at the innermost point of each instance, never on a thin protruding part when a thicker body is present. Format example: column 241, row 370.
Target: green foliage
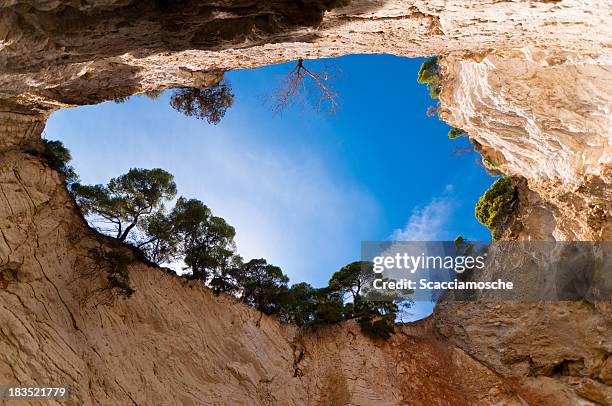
column 351, row 278
column 115, row 262
column 208, row 104
column 58, row 156
column 127, row 200
column 206, row 243
column 159, row 240
column 307, row 306
column 375, row 315
column 189, row 216
column 226, row 272
column 262, row 285
column 190, row 219
column 429, row 74
column 329, row 307
column 297, row 304
column 379, row 328
column 496, row 204
column 455, row 133
column 429, row 70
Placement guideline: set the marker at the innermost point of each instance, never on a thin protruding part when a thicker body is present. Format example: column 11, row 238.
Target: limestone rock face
column 173, row 341
column 63, row 52
column 529, row 81
column 547, row 119
column 555, row 347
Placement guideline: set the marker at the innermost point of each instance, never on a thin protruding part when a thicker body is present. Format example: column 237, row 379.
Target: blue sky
column 302, row 189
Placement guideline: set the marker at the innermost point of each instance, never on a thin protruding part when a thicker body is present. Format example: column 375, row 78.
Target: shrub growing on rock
column 115, row 262
column 58, row 156
column 381, row 328
column 456, row 133
column 496, row 204
column 429, row 74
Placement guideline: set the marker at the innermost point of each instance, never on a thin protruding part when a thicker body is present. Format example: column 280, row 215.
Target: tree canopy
column 351, row 278
column 495, row 205
column 159, row 241
column 262, row 284
column 131, row 208
column 205, row 241
column 127, row 200
column 58, row 156
column 429, row 74
column 208, row 104
column 375, row 314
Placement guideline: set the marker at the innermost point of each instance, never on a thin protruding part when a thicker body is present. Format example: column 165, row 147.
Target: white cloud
column 428, row 223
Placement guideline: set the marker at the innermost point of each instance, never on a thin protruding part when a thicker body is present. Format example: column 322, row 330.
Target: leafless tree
column 305, row 86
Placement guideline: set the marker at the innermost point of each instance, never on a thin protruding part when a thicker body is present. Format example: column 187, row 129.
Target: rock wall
column 531, row 83
column 543, row 116
column 173, row 341
column 556, row 347
column 64, row 52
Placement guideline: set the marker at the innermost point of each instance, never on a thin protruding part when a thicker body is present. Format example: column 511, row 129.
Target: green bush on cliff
column 381, row 328
column 429, row 74
column 495, row 205
column 375, row 316
column 58, row 156
column 456, row 133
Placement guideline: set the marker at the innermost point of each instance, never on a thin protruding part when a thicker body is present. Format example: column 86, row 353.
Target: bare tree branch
column 294, row 89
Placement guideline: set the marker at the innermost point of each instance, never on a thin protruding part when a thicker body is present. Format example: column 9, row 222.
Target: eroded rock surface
column 174, row 342
column 530, row 82
column 545, row 116
column 58, row 53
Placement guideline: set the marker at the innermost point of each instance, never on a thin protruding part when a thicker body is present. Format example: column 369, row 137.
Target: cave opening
column 302, row 187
